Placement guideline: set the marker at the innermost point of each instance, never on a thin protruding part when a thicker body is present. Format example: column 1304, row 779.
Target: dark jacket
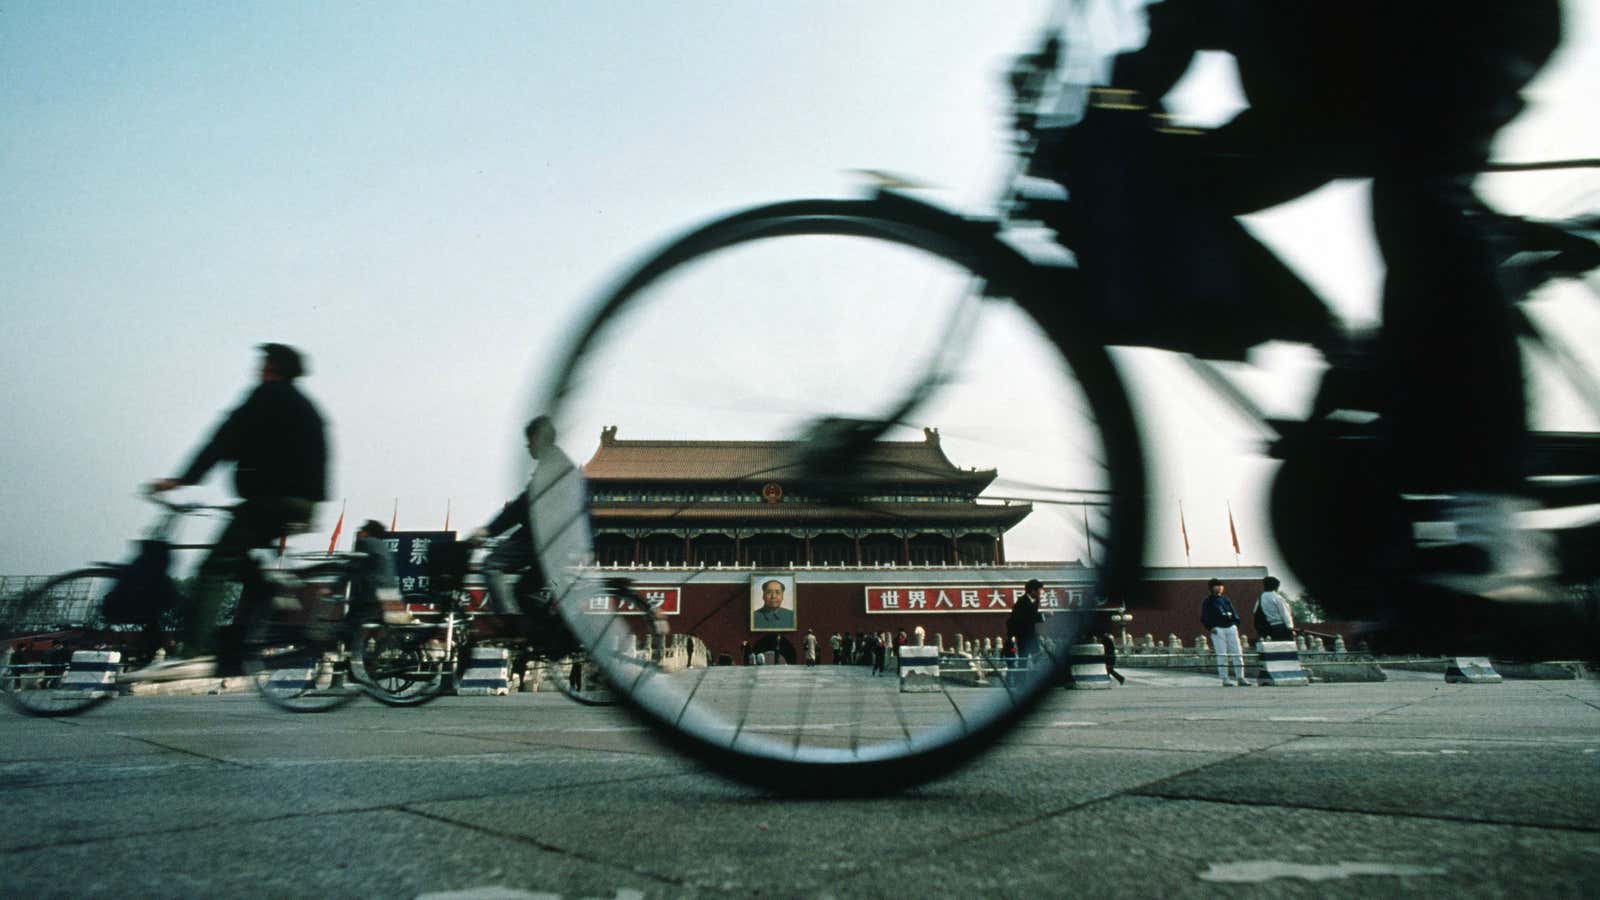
column 277, row 443
column 372, row 571
column 513, row 514
column 1024, row 619
column 1218, row 612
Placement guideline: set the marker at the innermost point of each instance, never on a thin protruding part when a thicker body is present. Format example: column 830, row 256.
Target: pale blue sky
column 421, row 195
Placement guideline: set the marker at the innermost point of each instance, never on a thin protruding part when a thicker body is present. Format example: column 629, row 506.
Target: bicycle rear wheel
column 49, row 665
column 803, row 352
column 292, row 646
column 402, row 665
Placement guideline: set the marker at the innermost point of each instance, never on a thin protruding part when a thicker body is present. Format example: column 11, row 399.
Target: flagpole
column 1233, row 533
column 394, row 519
column 447, row 514
column 1183, row 527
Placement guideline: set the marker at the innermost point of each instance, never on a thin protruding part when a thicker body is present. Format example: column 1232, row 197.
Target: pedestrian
column 1218, row 615
column 1022, row 625
column 849, row 648
column 1111, row 658
column 875, row 642
column 836, row 644
column 811, row 648
column 1273, row 618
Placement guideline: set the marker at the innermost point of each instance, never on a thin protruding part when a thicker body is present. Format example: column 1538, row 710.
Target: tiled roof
column 758, row 462
column 666, row 515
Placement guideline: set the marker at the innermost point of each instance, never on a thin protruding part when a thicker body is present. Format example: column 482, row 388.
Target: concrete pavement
column 1170, row 786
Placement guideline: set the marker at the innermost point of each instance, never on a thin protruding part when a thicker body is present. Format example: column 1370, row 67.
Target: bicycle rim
column 771, row 327
column 398, row 667
column 41, row 679
column 293, row 659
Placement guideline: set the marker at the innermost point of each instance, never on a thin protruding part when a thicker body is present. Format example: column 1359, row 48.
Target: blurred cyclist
column 277, row 443
column 1410, row 95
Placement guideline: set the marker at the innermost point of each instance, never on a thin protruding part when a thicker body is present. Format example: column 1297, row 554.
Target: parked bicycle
column 838, row 323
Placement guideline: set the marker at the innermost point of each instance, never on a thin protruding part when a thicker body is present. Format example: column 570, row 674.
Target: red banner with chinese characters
column 989, row 598
column 667, row 599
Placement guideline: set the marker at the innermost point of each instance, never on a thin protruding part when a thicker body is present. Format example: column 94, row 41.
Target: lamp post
column 1124, row 619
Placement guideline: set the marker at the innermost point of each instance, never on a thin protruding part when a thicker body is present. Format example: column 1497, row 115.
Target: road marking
column 1257, row 871
column 1298, row 719
column 1073, row 724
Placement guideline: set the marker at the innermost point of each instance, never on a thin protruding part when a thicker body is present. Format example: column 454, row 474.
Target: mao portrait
column 772, row 603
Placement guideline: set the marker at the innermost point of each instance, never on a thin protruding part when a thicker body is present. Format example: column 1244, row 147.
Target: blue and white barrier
column 1280, row 664
column 93, row 672
column 298, row 680
column 1470, row 670
column 488, row 673
column 1088, row 665
column 919, row 669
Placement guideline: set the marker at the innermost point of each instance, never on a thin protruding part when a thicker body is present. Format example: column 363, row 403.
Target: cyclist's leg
column 227, row 557
column 255, row 523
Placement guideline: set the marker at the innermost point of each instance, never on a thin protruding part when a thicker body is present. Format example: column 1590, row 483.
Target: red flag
column 337, row 527
column 396, row 516
column 1232, row 533
column 1185, row 529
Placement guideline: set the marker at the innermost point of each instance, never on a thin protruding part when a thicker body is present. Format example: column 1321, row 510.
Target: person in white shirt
column 1273, row 611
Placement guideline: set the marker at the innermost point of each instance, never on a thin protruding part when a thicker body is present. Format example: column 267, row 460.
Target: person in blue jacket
column 1222, row 620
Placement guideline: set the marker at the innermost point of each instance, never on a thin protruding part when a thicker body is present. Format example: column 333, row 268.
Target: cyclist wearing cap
column 277, row 442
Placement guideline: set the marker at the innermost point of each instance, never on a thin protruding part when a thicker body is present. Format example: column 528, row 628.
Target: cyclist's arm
column 224, row 444
column 1176, row 34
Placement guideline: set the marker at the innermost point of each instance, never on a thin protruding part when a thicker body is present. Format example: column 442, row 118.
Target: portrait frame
column 791, row 601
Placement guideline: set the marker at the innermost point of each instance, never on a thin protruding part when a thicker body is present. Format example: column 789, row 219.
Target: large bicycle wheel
column 402, row 665
column 53, row 662
column 803, row 358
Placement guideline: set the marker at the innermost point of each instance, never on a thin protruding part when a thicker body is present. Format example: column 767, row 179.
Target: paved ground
column 1168, row 787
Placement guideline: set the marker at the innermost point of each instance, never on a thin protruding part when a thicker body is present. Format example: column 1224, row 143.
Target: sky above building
column 424, row 197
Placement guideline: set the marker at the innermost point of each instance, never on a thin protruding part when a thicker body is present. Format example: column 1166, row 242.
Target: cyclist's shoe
column 1481, row 549
column 174, row 670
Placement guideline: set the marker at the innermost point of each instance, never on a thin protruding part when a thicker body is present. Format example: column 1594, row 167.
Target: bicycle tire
column 292, row 655
column 721, row 732
column 396, row 667
column 66, row 604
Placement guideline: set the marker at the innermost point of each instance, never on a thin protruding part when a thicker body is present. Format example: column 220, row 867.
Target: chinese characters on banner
column 666, row 599
column 411, row 551
column 901, row 599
